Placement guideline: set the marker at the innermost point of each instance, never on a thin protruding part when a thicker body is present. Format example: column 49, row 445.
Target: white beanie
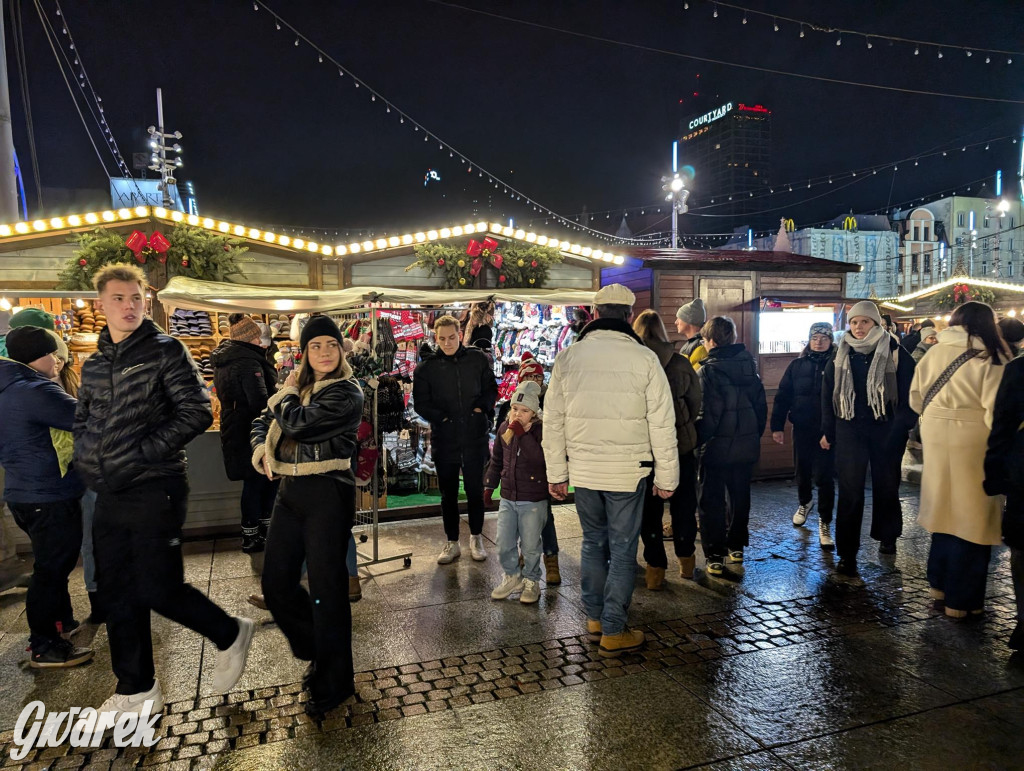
column 527, row 394
column 865, row 308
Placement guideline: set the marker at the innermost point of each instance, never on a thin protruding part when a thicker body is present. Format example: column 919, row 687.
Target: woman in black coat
column 685, row 387
column 865, row 413
column 799, row 399
column 1004, row 475
column 244, row 380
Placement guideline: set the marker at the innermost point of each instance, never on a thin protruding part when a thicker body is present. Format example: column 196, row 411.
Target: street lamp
column 676, row 194
column 158, row 160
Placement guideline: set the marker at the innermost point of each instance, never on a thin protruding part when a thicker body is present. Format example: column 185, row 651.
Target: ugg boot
column 551, row 572
column 655, row 578
column 686, row 566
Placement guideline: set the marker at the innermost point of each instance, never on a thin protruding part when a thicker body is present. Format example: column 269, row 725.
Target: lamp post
column 676, row 194
column 158, row 160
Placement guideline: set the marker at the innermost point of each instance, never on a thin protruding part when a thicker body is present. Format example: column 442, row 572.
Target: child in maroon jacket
column 518, row 461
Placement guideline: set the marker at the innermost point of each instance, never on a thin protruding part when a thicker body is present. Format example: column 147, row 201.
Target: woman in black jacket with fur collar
column 307, row 435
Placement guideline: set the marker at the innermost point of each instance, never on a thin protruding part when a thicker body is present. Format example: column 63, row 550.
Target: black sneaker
column 58, row 654
column 69, row 629
column 252, row 544
column 847, row 567
column 887, row 547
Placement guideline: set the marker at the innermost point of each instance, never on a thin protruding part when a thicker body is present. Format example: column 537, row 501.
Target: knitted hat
column 1011, row 329
column 319, row 326
column 527, row 395
column 245, row 329
column 26, row 344
column 614, row 294
column 62, row 348
column 821, row 328
column 33, row 317
column 529, row 366
column 693, row 312
column 865, row 308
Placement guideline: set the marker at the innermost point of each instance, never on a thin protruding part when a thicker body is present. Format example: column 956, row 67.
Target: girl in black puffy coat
column 799, row 399
column 732, row 418
column 307, row 435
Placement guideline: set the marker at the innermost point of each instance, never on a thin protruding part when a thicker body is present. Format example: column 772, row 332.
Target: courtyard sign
column 712, row 116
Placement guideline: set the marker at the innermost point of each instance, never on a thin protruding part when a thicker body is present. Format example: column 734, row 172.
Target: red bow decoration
column 138, row 243
column 485, row 250
column 961, row 291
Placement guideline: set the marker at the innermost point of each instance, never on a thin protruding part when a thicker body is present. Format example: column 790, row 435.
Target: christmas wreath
column 518, row 267
column 186, row 251
column 960, row 293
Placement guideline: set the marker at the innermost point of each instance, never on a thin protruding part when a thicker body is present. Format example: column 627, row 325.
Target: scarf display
column 881, row 379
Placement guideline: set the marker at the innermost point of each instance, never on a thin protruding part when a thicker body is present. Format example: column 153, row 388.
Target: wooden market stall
column 772, row 296
column 938, row 300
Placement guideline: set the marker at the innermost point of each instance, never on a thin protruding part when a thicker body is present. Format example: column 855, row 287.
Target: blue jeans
column 611, row 530
column 521, row 522
column 350, row 559
column 548, row 535
column 88, row 560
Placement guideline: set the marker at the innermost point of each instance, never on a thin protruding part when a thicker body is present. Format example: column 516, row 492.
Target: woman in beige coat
column 963, row 520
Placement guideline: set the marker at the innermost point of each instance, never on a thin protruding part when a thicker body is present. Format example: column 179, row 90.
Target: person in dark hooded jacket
column 799, row 399
column 685, row 387
column 244, row 380
column 43, row 493
column 733, row 415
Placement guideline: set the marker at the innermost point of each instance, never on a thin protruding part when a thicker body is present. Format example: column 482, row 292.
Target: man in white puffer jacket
column 608, row 418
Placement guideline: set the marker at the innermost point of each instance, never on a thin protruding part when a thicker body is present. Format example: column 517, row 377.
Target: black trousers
column 55, row 530
column 472, row 468
column 815, row 467
column 312, row 523
column 724, row 522
column 258, row 495
column 682, row 508
column 859, row 445
column 137, row 541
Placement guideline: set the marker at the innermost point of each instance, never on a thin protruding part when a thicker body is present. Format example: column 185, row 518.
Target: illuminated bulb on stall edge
column 79, row 303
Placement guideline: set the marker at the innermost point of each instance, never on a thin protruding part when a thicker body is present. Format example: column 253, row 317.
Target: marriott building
column 729, row 148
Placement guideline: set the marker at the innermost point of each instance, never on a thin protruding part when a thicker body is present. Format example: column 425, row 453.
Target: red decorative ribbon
column 484, row 250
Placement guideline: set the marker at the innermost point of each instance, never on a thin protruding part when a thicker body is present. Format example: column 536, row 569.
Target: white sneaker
column 825, row 535
column 801, row 514
column 531, row 592
column 476, row 548
column 512, row 583
column 449, row 553
column 231, row 662
column 120, row 703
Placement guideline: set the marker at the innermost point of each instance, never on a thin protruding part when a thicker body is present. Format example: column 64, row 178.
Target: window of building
column 984, row 268
column 913, row 263
column 899, row 264
column 1010, row 267
column 960, row 220
column 926, row 233
column 927, row 263
column 986, row 225
column 917, row 233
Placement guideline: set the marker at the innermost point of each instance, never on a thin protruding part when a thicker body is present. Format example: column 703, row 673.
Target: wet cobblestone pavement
column 781, row 666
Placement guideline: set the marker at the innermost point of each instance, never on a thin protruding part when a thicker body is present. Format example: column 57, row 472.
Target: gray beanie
column 693, row 312
column 527, row 394
column 866, row 308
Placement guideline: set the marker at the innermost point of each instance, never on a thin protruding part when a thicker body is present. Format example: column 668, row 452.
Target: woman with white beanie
column 865, row 413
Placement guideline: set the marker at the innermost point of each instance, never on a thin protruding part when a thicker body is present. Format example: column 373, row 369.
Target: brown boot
column 686, row 566
column 624, row 642
column 655, row 578
column 594, row 630
column 551, row 573
column 355, row 591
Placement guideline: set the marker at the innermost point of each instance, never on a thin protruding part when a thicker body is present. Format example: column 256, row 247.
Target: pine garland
column 960, row 293
column 522, row 267
column 193, row 253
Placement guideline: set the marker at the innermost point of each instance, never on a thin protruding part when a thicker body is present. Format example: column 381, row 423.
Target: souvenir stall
column 771, row 296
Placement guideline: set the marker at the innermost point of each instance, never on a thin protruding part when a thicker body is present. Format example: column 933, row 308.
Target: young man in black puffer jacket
column 732, row 418
column 799, row 399
column 244, row 380
column 141, row 401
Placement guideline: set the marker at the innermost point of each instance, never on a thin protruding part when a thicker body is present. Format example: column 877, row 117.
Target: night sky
column 273, row 137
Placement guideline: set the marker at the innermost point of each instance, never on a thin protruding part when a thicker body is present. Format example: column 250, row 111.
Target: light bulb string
column 428, row 135
column 828, row 30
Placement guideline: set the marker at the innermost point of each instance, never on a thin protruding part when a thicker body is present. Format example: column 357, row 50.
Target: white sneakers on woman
column 825, row 535
column 801, row 514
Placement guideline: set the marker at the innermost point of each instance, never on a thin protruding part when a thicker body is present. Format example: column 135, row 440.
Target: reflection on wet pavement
column 783, row 665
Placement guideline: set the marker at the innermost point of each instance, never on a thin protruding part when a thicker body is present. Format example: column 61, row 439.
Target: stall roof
column 669, row 259
column 999, row 286
column 193, row 294
column 61, row 227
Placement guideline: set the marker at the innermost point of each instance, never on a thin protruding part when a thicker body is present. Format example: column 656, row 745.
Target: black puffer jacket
column 685, row 386
column 244, row 380
column 734, row 409
column 445, row 391
column 141, row 401
column 311, row 435
column 1004, row 461
column 799, row 395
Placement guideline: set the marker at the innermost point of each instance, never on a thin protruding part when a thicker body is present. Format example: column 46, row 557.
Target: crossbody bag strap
column 946, row 376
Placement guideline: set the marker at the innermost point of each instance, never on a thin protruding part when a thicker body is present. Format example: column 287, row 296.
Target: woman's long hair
column 979, row 320
column 650, row 328
column 69, row 380
column 307, row 375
